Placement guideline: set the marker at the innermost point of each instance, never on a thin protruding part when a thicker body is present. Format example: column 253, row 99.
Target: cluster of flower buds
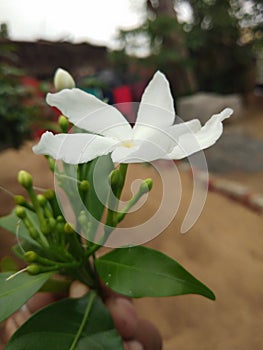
column 56, row 247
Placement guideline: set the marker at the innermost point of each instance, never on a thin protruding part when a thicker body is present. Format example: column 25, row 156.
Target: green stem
column 83, row 170
column 123, row 170
column 130, row 204
column 55, row 206
column 84, row 320
column 86, row 276
column 70, row 265
column 113, row 202
column 75, row 247
column 92, row 249
column 34, row 233
column 42, row 221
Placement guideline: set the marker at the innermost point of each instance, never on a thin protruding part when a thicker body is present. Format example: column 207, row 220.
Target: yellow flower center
column 128, row 144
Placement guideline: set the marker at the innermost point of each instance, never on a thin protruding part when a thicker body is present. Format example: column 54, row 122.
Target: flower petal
column 193, row 142
column 213, row 128
column 74, row 148
column 155, row 147
column 179, row 129
column 89, row 113
column 121, row 154
column 157, row 106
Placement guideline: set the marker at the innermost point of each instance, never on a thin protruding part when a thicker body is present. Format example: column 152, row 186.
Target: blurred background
column 212, row 54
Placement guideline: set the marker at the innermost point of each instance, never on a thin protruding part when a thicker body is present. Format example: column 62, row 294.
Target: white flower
column 63, row 80
column 155, row 134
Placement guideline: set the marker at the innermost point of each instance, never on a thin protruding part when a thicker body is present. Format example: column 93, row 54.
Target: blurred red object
column 122, row 97
column 33, row 84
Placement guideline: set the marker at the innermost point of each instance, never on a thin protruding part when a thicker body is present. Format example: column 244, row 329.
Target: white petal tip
column 226, row 113
column 37, row 149
column 159, row 75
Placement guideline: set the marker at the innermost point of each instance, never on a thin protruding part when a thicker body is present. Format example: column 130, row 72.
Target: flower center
column 128, row 144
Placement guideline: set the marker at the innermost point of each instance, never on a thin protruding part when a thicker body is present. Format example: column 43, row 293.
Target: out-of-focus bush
column 16, row 115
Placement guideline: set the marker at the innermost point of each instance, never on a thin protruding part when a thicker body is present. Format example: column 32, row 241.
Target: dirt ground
column 224, row 248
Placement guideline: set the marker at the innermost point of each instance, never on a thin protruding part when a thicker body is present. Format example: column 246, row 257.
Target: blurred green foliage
column 223, row 39
column 15, row 114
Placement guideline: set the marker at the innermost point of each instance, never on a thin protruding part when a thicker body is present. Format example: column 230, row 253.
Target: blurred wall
column 40, row 59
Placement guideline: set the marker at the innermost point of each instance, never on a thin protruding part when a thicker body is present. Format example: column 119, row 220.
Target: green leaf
column 17, row 290
column 141, row 272
column 73, row 324
column 10, row 222
column 56, row 286
column 14, row 225
column 99, row 170
column 98, row 174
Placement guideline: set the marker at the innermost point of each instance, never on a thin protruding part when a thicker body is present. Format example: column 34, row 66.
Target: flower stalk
column 145, row 187
column 25, row 179
column 32, row 230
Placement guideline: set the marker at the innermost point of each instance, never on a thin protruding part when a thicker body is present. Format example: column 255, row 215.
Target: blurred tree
column 164, row 38
column 215, row 46
column 167, row 38
column 3, row 31
column 222, row 37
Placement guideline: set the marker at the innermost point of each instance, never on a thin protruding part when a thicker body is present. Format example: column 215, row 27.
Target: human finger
column 124, row 316
column 18, row 318
column 132, row 345
column 120, row 308
column 148, row 335
column 40, row 300
column 77, row 289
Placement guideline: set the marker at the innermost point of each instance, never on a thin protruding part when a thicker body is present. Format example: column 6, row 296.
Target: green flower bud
column 40, row 264
column 51, row 197
column 25, row 179
column 68, row 228
column 84, row 185
column 33, row 269
column 20, row 200
column 63, row 80
column 51, row 163
column 30, row 256
column 45, row 229
column 20, row 212
column 60, row 219
column 60, row 224
column 146, row 186
column 63, row 123
column 33, row 233
column 49, row 194
column 116, row 180
column 52, row 223
column 41, row 199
